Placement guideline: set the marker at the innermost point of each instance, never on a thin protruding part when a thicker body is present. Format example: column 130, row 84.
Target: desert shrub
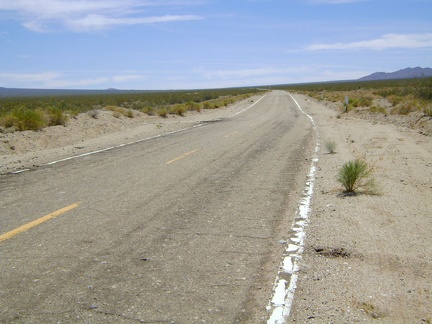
column 8, row 121
column 138, row 105
column 93, row 113
column 378, row 109
column 120, row 111
column 405, row 109
column 427, row 110
column 178, row 110
column 395, row 99
column 162, row 112
column 194, row 106
column 360, row 102
column 148, row 110
column 330, row 146
column 29, row 120
column 56, row 117
column 354, row 175
column 208, row 105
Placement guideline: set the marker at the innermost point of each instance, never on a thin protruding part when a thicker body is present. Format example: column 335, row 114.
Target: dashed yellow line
column 37, row 222
column 182, row 156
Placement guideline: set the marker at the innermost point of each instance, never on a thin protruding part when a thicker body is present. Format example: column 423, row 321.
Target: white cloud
column 387, row 41
column 97, row 22
column 29, row 77
column 86, row 15
column 126, row 78
column 57, row 80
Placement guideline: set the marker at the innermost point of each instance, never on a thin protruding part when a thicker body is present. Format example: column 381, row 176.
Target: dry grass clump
column 28, row 119
column 378, row 109
column 330, row 146
column 356, row 175
column 120, row 111
column 162, row 112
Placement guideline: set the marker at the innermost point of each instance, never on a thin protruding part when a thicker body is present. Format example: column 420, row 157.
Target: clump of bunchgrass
column 56, row 117
column 179, row 109
column 378, row 109
column 355, row 175
column 428, row 110
column 330, row 146
column 162, row 112
column 120, row 111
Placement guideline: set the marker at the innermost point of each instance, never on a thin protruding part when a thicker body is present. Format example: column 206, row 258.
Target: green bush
column 360, row 102
column 27, row 119
column 354, row 175
column 56, row 117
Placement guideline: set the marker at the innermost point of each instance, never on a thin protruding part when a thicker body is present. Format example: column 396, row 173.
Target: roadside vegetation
column 330, row 146
column 356, row 175
column 35, row 113
column 388, row 97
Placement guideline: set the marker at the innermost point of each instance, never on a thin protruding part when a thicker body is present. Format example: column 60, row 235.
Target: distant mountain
column 408, row 73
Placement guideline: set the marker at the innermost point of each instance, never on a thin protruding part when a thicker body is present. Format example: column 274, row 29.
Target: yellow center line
column 181, row 156
column 37, row 222
column 231, row 134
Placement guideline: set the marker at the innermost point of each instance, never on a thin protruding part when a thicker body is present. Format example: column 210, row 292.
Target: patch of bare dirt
column 368, row 257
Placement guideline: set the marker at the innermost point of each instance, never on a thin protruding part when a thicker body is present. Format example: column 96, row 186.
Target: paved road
column 177, row 229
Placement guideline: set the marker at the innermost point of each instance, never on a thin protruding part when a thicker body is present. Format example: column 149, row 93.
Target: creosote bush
column 356, row 174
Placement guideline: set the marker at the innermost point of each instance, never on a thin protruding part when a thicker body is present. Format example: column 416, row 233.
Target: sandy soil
column 367, row 257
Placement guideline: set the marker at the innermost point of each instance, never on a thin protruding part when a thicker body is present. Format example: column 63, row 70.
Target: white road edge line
column 134, row 142
column 283, row 291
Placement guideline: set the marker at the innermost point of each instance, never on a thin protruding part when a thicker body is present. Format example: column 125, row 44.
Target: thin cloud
column 97, row 22
column 58, row 80
column 30, row 77
column 86, row 15
column 387, row 41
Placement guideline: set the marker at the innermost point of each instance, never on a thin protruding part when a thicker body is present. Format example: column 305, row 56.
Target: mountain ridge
column 407, row 73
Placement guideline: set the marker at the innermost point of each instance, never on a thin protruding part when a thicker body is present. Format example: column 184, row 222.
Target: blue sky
column 186, row 44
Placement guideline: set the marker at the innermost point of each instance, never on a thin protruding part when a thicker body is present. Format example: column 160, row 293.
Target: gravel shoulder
column 366, row 257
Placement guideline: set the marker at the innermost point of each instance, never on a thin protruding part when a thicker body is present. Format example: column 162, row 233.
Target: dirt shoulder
column 369, row 256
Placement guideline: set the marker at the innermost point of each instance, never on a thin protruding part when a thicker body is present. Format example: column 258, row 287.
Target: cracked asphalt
column 183, row 228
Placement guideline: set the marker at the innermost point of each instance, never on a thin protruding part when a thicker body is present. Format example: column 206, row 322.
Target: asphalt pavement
column 182, row 228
